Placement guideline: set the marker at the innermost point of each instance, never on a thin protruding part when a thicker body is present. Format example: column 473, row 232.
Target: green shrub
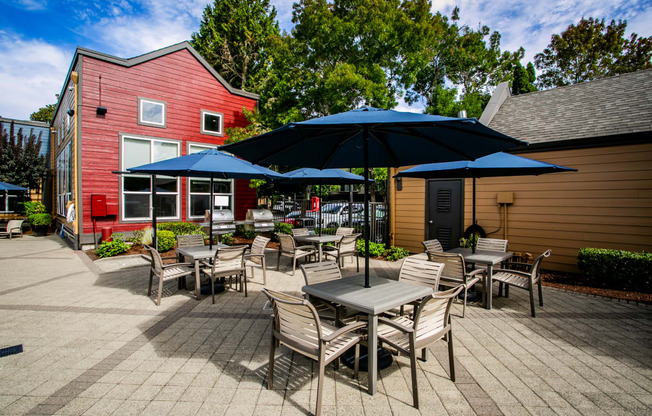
column 617, row 269
column 227, row 239
column 32, row 208
column 112, row 248
column 181, row 228
column 41, row 219
column 166, row 240
column 137, row 236
column 330, row 231
column 396, row 253
column 375, row 249
column 281, row 228
column 249, row 234
column 469, row 242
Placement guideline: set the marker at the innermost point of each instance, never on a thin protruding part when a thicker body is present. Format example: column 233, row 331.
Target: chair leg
column 270, row 369
column 320, row 386
column 294, row 265
column 464, row 306
column 500, row 289
column 160, row 290
column 264, row 272
column 451, row 357
column 424, row 354
column 244, row 279
column 151, row 278
column 356, row 363
column 358, row 262
column 413, row 367
column 540, row 294
column 278, row 263
column 506, row 290
column 532, row 301
column 212, row 282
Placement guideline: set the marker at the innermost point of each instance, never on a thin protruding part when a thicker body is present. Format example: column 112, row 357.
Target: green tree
column 20, row 163
column 234, row 37
column 523, row 79
column 43, row 113
column 591, row 50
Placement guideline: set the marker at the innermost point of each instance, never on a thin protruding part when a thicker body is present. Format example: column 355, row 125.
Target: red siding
column 187, row 88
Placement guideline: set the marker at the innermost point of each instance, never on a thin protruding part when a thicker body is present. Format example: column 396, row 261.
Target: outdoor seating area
column 185, row 356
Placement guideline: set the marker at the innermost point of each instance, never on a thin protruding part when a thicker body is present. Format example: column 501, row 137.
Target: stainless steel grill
column 259, row 220
column 222, row 222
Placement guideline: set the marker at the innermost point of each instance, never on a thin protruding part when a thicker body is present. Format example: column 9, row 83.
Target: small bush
column 227, row 239
column 249, row 234
column 469, row 242
column 617, row 269
column 375, row 249
column 137, row 236
column 41, row 219
column 181, row 228
column 112, row 248
column 281, row 228
column 396, row 253
column 32, row 208
column 166, row 240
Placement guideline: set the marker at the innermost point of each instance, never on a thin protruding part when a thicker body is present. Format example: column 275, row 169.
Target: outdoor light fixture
column 399, row 184
column 101, row 111
column 71, row 112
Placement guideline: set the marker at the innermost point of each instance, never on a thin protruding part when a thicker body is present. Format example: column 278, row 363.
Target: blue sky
column 38, row 37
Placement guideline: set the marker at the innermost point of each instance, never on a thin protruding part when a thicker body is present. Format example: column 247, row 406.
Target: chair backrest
column 300, row 231
column 537, row 264
column 344, row 231
column 454, row 267
column 14, row 224
column 320, row 272
column 491, row 244
column 157, row 262
column 229, row 258
column 348, row 243
column 190, row 240
column 296, row 323
column 258, row 247
column 286, row 243
column 420, row 272
column 432, row 246
column 432, row 316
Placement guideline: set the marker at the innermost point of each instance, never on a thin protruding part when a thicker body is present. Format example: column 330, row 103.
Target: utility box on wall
column 505, row 197
column 98, row 205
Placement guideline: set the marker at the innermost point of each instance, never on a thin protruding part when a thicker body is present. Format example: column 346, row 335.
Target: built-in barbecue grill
column 259, row 220
column 222, row 222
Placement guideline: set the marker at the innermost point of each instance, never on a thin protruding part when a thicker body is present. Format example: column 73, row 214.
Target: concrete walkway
column 95, row 344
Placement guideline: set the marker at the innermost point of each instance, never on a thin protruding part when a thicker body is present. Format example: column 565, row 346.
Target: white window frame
column 64, row 180
column 203, row 125
column 151, row 160
column 189, row 216
column 164, row 107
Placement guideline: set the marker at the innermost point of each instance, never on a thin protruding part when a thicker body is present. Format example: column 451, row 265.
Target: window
column 199, row 191
column 64, row 179
column 211, row 123
column 137, row 189
column 151, row 112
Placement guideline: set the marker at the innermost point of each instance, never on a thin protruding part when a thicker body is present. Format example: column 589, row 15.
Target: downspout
column 75, row 79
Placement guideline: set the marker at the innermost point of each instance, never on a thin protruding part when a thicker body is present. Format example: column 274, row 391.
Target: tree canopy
column 43, row 113
column 591, row 50
column 20, row 163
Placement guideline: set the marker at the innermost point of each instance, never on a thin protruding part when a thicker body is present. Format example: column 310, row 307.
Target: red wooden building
column 116, row 113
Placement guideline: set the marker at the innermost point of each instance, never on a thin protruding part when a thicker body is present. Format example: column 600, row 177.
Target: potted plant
column 40, row 223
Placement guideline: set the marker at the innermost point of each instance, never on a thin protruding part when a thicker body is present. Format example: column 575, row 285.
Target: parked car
column 378, row 227
column 292, row 217
column 335, row 215
column 286, row 206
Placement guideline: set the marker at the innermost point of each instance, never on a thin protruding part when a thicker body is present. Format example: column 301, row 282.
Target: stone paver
column 95, row 344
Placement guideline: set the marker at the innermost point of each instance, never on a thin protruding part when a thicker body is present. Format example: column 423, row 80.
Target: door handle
column 430, row 222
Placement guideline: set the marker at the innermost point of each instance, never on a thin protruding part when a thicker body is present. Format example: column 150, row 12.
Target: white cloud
column 31, row 73
column 31, row 5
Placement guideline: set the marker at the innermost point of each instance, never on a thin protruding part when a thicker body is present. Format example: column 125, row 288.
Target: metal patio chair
column 420, row 272
column 455, row 273
column 346, row 247
column 228, row 262
column 13, row 227
column 165, row 272
column 432, row 246
column 288, row 247
column 255, row 257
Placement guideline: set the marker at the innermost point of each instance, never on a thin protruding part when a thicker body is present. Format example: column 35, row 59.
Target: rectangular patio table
column 487, row 258
column 382, row 296
column 318, row 240
column 196, row 254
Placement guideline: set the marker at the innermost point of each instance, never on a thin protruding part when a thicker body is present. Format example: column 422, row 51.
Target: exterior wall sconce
column 399, row 184
column 70, row 112
column 101, row 111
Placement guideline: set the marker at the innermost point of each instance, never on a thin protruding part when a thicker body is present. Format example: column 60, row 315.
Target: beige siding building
column 602, row 128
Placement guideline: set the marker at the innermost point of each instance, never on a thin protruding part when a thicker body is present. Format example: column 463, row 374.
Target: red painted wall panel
column 187, row 88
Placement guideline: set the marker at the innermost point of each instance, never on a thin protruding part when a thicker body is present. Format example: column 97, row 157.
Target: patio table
column 318, row 240
column 383, row 295
column 196, row 254
column 484, row 257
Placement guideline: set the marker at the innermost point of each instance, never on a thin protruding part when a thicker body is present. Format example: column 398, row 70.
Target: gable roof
column 148, row 57
column 614, row 106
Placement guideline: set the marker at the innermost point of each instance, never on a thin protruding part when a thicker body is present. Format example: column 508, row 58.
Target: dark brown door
column 444, row 211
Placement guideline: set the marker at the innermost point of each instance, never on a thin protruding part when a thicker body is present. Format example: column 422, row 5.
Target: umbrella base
column 206, row 289
column 384, row 358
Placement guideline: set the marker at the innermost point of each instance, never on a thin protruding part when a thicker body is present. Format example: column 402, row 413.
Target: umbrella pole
column 320, row 223
column 365, row 139
column 473, row 245
column 154, row 211
column 210, row 203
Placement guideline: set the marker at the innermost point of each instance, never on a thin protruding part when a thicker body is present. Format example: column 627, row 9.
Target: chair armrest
column 402, row 328
column 477, row 271
column 169, row 258
column 205, row 263
column 11, row 230
column 343, row 330
column 517, row 272
column 167, row 266
column 254, row 255
column 304, row 247
column 516, row 263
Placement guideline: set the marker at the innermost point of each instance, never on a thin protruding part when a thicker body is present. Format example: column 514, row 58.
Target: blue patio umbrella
column 209, row 163
column 4, row 186
column 497, row 164
column 311, row 176
column 371, row 137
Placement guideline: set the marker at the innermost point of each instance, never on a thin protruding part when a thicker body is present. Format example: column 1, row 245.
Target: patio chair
column 296, row 232
column 189, row 240
column 165, row 272
column 324, row 271
column 344, row 231
column 455, row 273
column 13, row 227
column 255, row 257
column 491, row 244
column 287, row 247
column 431, row 323
column 346, row 247
column 298, row 327
column 228, row 262
column 523, row 279
column 420, row 272
column 432, row 246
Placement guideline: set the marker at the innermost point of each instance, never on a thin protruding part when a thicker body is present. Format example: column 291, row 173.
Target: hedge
column 617, row 269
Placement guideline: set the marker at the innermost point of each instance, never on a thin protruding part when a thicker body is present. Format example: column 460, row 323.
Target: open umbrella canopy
column 206, row 164
column 311, row 176
column 4, row 186
column 394, row 138
column 497, row 164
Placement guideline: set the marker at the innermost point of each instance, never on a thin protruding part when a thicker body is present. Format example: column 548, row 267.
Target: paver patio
column 95, row 344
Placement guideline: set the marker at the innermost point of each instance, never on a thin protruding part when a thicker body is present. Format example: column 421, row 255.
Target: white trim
column 164, row 106
column 203, row 130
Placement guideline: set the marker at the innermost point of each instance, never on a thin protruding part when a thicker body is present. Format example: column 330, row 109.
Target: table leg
column 372, row 353
column 489, row 287
column 319, row 252
column 197, row 282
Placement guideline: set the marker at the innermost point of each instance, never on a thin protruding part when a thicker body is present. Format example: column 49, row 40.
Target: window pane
column 164, row 184
column 193, row 148
column 136, row 206
column 164, row 151
column 200, row 186
column 137, row 184
column 222, row 187
column 136, row 152
column 198, row 205
column 151, row 112
column 212, row 122
column 166, row 205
